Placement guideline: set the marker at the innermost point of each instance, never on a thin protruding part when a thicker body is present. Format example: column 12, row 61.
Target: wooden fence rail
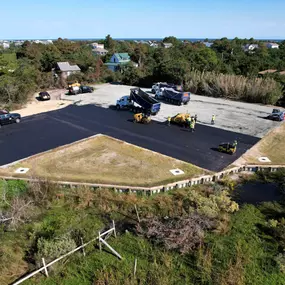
column 44, row 268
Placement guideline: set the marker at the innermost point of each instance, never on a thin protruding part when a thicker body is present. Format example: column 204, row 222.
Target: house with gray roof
column 65, row 69
column 117, row 60
column 99, row 51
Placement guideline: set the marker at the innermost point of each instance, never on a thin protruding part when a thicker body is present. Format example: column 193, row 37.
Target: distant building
column 99, row 51
column 272, row 45
column 167, row 45
column 5, row 45
column 96, row 45
column 250, row 47
column 64, row 69
column 207, row 44
column 117, row 60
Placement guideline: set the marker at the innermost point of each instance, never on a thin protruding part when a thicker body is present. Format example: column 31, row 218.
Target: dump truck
column 172, row 96
column 157, row 86
column 139, row 102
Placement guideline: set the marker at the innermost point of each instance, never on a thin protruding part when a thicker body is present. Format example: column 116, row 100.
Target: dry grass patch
column 102, row 159
column 270, row 146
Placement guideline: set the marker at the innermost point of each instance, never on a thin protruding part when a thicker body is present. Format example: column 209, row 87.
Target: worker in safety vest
column 213, row 120
column 188, row 121
column 235, row 143
column 194, row 122
column 195, row 118
column 168, row 120
column 192, row 126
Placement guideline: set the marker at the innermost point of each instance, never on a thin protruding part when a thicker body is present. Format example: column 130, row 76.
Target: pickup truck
column 9, row 118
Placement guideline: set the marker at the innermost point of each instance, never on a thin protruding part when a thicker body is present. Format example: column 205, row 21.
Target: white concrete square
column 264, row 159
column 176, row 171
column 22, row 170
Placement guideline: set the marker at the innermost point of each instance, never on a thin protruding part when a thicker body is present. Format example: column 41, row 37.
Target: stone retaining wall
column 161, row 188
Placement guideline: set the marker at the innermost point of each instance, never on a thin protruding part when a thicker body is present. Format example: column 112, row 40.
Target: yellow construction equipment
column 75, row 84
column 142, row 118
column 180, row 119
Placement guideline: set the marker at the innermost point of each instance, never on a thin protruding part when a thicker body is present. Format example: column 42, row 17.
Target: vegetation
column 223, row 70
column 186, row 236
column 270, row 146
column 105, row 160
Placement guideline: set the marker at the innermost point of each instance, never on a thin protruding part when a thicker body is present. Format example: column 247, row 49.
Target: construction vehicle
column 139, row 102
column 157, row 86
column 229, row 148
column 75, row 84
column 180, row 119
column 277, row 115
column 172, row 96
column 141, row 118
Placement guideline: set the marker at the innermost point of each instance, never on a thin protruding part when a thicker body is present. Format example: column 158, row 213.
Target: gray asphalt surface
column 45, row 131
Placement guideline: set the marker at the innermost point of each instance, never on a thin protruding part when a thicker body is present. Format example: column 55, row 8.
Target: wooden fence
column 102, row 240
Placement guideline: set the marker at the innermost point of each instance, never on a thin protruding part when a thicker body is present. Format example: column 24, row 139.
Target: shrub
column 254, row 90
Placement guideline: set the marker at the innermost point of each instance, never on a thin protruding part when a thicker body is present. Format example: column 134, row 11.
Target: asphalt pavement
column 46, row 131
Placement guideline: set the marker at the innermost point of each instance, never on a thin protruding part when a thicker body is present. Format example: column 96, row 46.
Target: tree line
column 211, row 71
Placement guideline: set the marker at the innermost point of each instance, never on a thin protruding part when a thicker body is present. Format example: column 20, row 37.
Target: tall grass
column 253, row 90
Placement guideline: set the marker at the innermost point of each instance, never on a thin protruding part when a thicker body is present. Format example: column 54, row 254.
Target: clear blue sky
column 30, row 19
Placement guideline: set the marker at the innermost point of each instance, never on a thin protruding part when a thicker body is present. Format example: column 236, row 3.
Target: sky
column 51, row 19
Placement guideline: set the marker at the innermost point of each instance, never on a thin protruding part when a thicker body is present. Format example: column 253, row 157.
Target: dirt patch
column 36, row 107
column 102, row 159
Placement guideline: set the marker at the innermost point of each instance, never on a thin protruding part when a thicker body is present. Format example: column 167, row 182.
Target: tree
column 109, row 43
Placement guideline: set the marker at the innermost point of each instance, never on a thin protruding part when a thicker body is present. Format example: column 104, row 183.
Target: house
column 117, row 60
column 272, row 45
column 207, row 44
column 96, row 45
column 5, row 45
column 65, row 69
column 250, row 47
column 167, row 45
column 99, row 51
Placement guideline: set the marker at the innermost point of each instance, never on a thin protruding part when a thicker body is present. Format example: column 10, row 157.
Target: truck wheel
column 179, row 103
column 118, row 107
column 17, row 120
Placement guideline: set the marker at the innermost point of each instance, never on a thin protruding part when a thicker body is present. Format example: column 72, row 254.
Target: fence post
column 83, row 250
column 135, row 267
column 44, row 263
column 139, row 220
column 114, row 229
column 99, row 238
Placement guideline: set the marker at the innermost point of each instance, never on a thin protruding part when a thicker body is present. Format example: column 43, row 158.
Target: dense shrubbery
column 235, row 87
column 220, row 244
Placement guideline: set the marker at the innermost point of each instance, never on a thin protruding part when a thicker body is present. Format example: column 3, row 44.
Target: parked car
column 9, row 118
column 277, row 115
column 44, row 96
column 73, row 90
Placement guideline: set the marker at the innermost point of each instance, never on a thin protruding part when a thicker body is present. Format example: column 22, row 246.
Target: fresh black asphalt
column 45, row 131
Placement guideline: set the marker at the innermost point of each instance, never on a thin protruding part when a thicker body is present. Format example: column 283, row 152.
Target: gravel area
column 239, row 117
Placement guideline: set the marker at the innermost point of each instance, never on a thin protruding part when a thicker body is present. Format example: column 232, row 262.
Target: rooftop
column 65, row 66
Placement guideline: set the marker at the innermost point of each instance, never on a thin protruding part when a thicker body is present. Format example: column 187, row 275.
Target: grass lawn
column 270, row 146
column 102, row 159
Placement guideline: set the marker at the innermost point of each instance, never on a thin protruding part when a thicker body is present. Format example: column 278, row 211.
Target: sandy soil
column 234, row 116
column 36, row 107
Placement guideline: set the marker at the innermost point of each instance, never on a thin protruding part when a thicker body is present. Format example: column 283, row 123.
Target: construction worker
column 168, row 120
column 235, row 143
column 213, row 119
column 194, row 123
column 195, row 118
column 192, row 126
column 188, row 121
